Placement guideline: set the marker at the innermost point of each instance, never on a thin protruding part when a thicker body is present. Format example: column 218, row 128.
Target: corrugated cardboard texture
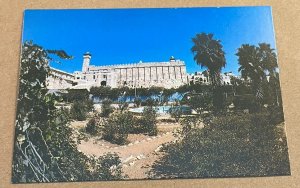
column 287, row 24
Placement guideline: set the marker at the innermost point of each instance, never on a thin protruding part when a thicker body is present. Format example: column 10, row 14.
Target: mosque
column 170, row 74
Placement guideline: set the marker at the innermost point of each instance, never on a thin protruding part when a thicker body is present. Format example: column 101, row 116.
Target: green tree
column 256, row 62
column 208, row 52
column 148, row 121
column 44, row 149
column 80, row 109
column 76, row 95
column 106, row 108
column 117, row 127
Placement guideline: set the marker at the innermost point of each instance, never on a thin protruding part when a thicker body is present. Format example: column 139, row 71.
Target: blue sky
column 119, row 36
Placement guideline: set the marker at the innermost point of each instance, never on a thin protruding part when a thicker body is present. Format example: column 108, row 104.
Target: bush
column 79, row 109
column 76, row 95
column 248, row 101
column 107, row 167
column 106, row 108
column 201, row 103
column 117, row 127
column 91, row 127
column 228, row 146
column 148, row 121
column 276, row 114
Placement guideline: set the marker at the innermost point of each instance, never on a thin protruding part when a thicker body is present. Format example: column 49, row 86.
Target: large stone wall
column 160, row 74
column 60, row 80
column 164, row 74
column 171, row 74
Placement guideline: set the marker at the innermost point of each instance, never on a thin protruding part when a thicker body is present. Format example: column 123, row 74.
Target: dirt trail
column 137, row 157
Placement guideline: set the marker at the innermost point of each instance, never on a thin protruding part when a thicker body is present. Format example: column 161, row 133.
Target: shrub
column 106, row 108
column 76, row 95
column 148, row 121
column 201, row 102
column 248, row 101
column 118, row 126
column 228, row 146
column 79, row 109
column 188, row 123
column 91, row 127
column 276, row 114
column 89, row 105
column 107, row 167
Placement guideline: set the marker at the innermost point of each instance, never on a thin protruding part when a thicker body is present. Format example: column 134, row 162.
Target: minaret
column 172, row 59
column 86, row 61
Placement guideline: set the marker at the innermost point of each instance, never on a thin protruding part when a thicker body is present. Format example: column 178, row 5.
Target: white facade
column 203, row 78
column 60, row 80
column 199, row 78
column 171, row 74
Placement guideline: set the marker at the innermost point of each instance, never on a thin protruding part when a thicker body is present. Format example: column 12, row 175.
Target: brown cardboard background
column 286, row 16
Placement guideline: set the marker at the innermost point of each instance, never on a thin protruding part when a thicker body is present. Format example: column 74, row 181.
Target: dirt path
column 137, row 157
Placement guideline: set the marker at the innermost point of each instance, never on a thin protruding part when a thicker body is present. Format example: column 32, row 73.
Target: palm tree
column 268, row 59
column 251, row 68
column 208, row 53
column 255, row 63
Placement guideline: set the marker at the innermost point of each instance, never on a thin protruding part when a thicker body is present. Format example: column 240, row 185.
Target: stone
column 158, row 149
column 130, row 158
column 136, row 142
column 130, row 144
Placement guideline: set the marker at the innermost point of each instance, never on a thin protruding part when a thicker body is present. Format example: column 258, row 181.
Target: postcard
column 152, row 93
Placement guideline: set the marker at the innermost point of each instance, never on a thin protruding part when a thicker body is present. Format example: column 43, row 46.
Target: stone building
column 203, row 78
column 59, row 79
column 170, row 74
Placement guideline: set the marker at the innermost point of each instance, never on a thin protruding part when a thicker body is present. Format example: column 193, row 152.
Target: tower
column 172, row 59
column 86, row 61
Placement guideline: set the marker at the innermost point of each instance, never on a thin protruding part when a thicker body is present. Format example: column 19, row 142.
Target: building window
column 94, row 77
column 104, row 76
